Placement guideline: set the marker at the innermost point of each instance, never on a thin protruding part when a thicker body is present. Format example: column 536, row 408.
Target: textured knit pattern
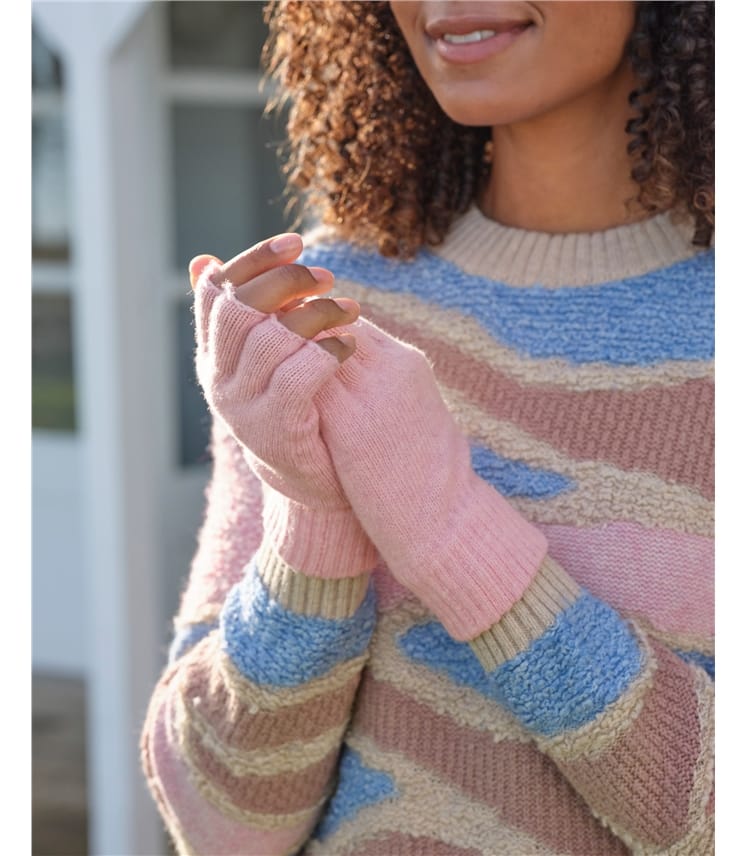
column 580, row 368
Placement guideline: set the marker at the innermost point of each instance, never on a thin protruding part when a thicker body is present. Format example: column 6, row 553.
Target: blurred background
column 148, row 147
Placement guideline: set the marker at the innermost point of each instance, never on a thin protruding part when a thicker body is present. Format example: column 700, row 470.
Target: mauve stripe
column 237, row 726
column 519, row 782
column 650, row 429
column 643, row 782
column 389, row 592
column 283, row 793
column 401, row 844
column 205, row 828
column 662, row 575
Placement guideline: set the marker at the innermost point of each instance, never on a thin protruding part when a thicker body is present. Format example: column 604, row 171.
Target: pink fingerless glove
column 260, row 379
column 405, row 466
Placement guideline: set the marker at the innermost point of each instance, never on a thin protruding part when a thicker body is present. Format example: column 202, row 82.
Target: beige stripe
column 328, row 598
column 523, row 257
column 222, row 802
column 550, row 592
column 473, row 339
column 603, row 492
column 700, row 841
column 426, row 806
column 595, row 737
column 464, row 705
column 257, row 697
column 704, row 774
column 676, row 641
column 285, row 758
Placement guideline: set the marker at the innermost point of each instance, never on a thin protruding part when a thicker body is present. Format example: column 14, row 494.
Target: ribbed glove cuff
column 317, row 542
column 479, row 568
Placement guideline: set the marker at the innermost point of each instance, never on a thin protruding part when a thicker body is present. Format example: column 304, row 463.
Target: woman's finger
column 264, row 256
column 340, row 347
column 315, row 316
column 273, row 289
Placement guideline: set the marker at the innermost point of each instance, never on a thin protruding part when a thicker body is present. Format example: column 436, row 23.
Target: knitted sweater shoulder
column 581, row 369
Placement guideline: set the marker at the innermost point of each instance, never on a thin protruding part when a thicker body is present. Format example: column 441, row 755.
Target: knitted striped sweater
column 339, row 717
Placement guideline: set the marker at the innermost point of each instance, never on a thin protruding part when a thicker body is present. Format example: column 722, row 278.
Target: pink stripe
column 665, row 430
column 230, row 533
column 664, row 576
column 204, row 827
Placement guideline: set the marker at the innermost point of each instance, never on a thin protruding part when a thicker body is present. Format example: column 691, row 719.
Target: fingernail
column 347, row 304
column 286, row 243
column 321, row 274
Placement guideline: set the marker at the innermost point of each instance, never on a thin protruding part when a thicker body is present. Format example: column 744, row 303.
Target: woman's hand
column 264, row 279
column 406, row 469
column 261, row 357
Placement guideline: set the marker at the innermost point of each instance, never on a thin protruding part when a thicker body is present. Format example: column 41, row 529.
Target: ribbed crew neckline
column 483, row 247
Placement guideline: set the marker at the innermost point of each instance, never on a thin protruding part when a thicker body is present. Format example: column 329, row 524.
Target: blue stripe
column 272, row 645
column 432, row 646
column 666, row 314
column 565, row 678
column 515, row 478
column 188, row 637
column 358, row 786
column 706, row 662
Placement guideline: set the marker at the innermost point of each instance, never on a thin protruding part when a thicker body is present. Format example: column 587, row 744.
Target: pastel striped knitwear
column 338, row 716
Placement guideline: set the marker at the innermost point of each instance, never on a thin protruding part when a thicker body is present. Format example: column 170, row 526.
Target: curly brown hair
column 370, row 148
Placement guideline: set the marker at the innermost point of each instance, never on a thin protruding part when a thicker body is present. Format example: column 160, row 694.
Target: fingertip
column 349, row 342
column 341, row 347
column 289, row 243
column 349, row 306
column 197, row 265
column 321, row 275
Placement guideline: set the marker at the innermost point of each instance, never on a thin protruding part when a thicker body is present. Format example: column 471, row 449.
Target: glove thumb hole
column 299, row 377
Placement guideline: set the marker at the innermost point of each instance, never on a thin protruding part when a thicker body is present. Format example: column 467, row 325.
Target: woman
column 516, row 434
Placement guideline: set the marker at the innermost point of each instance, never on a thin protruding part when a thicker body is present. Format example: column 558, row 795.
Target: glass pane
column 52, row 384
column 46, row 69
column 194, row 417
column 223, row 35
column 227, row 180
column 49, row 203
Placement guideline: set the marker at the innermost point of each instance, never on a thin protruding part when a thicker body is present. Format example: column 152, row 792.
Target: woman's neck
column 569, row 170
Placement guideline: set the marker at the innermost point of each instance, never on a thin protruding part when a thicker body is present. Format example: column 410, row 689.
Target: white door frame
column 111, row 57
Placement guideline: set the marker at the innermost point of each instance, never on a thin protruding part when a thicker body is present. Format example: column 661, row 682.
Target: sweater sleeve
column 244, row 727
column 627, row 721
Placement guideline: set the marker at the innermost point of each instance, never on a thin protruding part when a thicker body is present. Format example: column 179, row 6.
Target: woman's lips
column 474, row 39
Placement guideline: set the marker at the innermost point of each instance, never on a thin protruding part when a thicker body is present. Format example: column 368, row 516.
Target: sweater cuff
column 319, row 542
column 551, row 592
column 299, row 593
